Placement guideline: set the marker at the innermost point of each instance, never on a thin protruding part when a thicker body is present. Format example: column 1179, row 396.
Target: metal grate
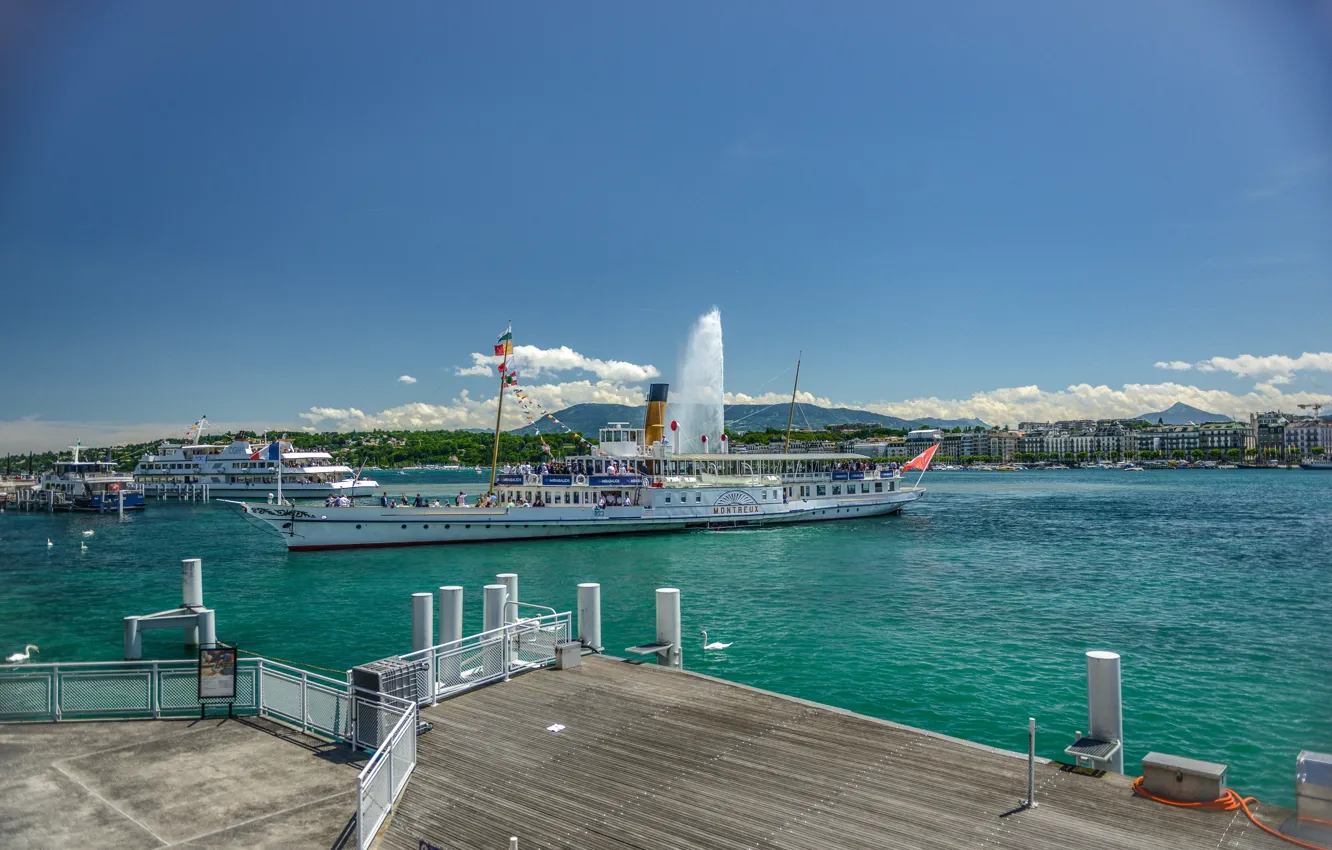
column 106, row 692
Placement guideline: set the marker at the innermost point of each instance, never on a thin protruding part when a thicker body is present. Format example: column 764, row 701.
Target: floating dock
column 656, row 758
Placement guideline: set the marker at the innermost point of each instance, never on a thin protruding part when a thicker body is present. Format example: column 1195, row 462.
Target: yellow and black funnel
column 655, row 426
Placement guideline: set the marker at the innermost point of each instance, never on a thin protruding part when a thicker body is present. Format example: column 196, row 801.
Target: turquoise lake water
column 965, row 615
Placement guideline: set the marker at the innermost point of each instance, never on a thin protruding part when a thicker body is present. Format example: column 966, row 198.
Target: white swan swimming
column 88, row 533
column 20, row 657
column 83, row 546
column 716, row 644
column 49, row 544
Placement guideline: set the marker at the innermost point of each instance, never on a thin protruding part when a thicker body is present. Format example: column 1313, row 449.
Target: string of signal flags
column 532, row 409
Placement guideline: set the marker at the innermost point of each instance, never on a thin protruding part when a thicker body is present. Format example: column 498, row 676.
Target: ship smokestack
column 655, row 425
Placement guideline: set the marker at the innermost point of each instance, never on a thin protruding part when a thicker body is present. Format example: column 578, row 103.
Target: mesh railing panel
column 328, row 711
column 26, row 696
column 373, row 801
column 98, row 692
column 534, row 641
column 282, row 696
column 404, row 758
column 179, row 689
column 472, row 664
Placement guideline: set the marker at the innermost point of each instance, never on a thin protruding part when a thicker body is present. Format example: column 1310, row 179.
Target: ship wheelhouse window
column 668, row 500
column 575, row 501
column 878, row 486
column 698, row 497
column 864, row 488
column 765, row 495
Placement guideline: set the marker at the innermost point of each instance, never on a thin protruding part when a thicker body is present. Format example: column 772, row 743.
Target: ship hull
column 308, row 529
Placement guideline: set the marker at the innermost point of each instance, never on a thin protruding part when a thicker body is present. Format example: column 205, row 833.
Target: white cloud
column 532, row 361
column 406, row 379
column 1270, row 366
column 1010, row 405
column 464, row 411
column 1266, row 369
column 777, row 398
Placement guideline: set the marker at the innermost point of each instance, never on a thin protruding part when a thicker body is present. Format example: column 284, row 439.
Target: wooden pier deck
column 654, row 758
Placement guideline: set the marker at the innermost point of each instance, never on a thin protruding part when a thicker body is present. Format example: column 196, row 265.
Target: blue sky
column 258, row 212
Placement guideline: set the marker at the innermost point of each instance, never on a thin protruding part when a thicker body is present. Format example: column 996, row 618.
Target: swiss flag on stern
column 922, row 460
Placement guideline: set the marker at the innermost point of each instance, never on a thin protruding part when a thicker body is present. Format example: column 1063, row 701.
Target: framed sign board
column 217, row 673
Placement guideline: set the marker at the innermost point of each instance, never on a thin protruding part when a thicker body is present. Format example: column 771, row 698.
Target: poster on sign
column 217, row 673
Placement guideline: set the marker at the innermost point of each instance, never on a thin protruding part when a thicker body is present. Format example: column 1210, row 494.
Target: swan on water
column 49, row 544
column 20, row 657
column 83, row 546
column 88, row 533
column 716, row 644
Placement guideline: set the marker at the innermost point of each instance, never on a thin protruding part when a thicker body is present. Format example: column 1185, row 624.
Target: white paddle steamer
column 632, row 483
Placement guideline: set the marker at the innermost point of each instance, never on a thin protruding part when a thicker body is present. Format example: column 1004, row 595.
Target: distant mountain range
column 589, row 418
column 1180, row 413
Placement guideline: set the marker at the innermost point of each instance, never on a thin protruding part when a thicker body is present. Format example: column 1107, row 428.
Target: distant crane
column 1317, row 408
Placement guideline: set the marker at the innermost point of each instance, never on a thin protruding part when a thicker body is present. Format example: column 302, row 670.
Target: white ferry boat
column 633, row 483
column 90, row 485
column 243, row 468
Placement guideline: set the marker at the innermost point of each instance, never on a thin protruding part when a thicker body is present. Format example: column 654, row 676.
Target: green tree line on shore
column 390, row 449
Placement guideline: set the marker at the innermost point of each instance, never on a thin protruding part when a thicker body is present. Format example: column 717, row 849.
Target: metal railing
column 490, row 656
column 117, row 690
column 382, row 781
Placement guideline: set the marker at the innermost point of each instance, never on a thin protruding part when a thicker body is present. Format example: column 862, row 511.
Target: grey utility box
column 568, row 655
column 1313, row 786
column 406, row 680
column 1183, row 779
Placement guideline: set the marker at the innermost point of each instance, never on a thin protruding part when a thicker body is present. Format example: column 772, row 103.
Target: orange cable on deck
column 1229, row 802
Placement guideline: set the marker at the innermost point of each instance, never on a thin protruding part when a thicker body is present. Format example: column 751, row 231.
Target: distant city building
column 877, row 447
column 1307, row 435
column 1270, row 430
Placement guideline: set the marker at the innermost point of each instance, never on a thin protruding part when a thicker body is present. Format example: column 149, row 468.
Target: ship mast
column 790, row 414
column 499, row 412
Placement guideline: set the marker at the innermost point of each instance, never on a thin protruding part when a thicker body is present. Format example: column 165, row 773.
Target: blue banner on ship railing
column 614, row 481
column 508, row 479
column 857, row 476
column 557, row 480
column 841, row 476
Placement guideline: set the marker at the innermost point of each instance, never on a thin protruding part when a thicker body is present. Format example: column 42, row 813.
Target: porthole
column 425, row 526
column 446, row 525
column 358, row 525
column 469, row 525
column 404, row 525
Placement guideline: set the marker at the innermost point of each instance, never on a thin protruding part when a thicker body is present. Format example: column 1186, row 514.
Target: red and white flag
column 922, row 460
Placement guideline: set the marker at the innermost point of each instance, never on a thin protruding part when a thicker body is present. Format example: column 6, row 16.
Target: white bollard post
column 133, row 641
column 423, row 625
column 493, row 608
column 510, row 581
column 450, row 613
column 668, row 627
column 449, row 672
column 207, row 628
column 589, row 615
column 1105, row 710
column 191, row 583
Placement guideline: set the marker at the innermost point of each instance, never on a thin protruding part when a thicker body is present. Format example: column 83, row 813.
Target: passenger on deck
column 384, row 500
column 344, row 502
column 418, row 502
column 461, row 501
